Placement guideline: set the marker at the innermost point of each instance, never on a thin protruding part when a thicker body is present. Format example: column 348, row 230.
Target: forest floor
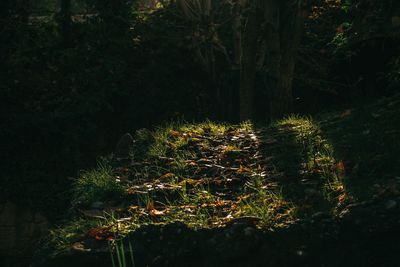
column 321, row 191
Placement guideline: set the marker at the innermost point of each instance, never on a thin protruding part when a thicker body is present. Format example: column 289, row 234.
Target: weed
column 118, row 254
column 96, row 185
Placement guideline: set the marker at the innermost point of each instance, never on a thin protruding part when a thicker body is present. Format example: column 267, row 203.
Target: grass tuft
column 96, row 185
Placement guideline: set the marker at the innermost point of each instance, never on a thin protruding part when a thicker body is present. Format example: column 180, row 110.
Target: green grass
column 168, row 140
column 307, row 168
column 118, row 254
column 317, row 155
column 268, row 206
column 96, row 185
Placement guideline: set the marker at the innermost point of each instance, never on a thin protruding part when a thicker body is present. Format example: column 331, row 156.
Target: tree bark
column 272, row 28
column 289, row 32
column 237, row 34
column 249, row 63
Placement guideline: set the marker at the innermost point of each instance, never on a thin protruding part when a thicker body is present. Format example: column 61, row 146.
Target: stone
column 124, row 148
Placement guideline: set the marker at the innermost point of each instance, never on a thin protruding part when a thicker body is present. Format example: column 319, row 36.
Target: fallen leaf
column 174, row 133
column 155, row 212
column 150, row 205
column 101, row 233
column 243, row 169
column 167, row 176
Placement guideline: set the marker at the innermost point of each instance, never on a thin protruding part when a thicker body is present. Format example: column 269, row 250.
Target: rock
column 124, row 148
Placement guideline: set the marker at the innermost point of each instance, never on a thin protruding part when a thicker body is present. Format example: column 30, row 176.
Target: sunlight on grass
column 175, row 136
column 317, row 155
column 210, row 175
column 268, row 206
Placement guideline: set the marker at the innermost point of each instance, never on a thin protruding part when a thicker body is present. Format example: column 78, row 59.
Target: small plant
column 118, row 254
column 96, row 185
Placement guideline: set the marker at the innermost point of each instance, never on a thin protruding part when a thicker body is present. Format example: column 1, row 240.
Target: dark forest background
column 76, row 75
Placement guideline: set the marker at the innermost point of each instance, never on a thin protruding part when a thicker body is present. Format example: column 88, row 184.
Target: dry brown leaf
column 155, row 212
column 150, row 205
column 167, row 176
column 243, row 169
column 101, row 233
column 174, row 133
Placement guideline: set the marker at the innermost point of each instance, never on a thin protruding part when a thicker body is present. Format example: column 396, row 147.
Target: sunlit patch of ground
column 211, row 175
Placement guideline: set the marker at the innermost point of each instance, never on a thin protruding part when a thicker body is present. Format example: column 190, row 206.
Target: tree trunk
column 272, row 67
column 249, row 62
column 237, row 34
column 290, row 21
